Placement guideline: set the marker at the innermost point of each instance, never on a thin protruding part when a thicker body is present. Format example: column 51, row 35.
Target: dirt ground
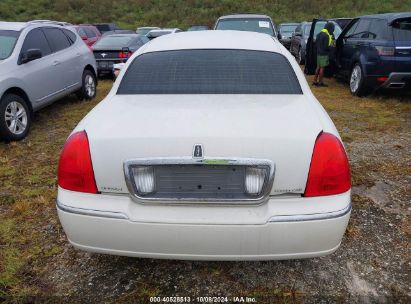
column 372, row 265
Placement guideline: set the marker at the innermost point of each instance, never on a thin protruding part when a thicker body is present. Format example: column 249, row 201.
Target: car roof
column 389, row 16
column 214, row 40
column 19, row 26
column 13, row 26
column 244, row 16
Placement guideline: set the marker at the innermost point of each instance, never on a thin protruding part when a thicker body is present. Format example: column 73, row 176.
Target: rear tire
column 89, row 86
column 357, row 86
column 15, row 118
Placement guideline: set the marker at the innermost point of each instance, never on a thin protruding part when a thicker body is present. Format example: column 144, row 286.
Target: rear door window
column 58, row 41
column 379, row 30
column 210, row 72
column 71, row 35
column 402, row 29
column 35, row 39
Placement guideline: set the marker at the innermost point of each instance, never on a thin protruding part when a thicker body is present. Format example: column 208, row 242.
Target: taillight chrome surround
column 268, row 165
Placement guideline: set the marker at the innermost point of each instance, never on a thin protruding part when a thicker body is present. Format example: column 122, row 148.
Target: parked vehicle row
column 285, row 31
column 371, row 52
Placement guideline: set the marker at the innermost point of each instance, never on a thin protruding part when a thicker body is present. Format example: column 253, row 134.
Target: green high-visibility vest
column 330, row 38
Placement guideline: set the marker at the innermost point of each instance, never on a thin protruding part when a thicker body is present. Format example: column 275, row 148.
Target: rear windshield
column 210, row 72
column 7, row 42
column 287, row 28
column 113, row 41
column 244, row 24
column 402, row 29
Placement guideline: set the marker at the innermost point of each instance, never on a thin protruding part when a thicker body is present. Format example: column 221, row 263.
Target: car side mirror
column 279, row 36
column 30, row 55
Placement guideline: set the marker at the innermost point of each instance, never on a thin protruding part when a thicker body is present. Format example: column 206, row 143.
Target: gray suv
column 40, row 62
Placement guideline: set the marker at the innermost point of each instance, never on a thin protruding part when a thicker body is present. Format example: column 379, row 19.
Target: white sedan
column 210, row 146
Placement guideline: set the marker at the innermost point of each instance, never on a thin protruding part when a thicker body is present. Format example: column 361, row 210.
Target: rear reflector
column 382, row 79
column 329, row 170
column 75, row 170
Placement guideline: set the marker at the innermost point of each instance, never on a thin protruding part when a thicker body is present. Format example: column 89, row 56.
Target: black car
column 116, row 48
column 285, row 31
column 106, row 27
column 298, row 41
column 374, row 52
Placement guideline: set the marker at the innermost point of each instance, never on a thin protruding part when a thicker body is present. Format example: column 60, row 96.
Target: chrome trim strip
column 205, row 161
column 310, row 217
column 403, row 47
column 91, row 212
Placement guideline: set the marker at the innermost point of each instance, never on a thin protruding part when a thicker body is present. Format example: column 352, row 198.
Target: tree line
column 183, row 13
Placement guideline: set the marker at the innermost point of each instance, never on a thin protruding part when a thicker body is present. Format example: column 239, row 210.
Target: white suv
column 40, row 62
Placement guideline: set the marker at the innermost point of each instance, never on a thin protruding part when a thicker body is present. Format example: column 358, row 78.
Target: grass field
column 374, row 260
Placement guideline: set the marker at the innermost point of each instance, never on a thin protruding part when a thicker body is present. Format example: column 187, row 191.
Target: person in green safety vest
column 323, row 43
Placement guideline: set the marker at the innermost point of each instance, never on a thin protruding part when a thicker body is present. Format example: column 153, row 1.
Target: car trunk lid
column 280, row 128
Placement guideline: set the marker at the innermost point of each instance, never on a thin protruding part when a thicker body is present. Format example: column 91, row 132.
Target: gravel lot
column 372, row 265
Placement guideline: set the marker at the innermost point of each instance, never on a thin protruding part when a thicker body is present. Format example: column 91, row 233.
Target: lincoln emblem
column 198, row 151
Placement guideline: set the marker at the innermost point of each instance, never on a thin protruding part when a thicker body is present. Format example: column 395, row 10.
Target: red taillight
column 125, row 55
column 75, row 171
column 385, row 50
column 329, row 170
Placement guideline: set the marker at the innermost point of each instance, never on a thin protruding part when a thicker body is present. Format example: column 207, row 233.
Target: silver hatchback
column 40, row 62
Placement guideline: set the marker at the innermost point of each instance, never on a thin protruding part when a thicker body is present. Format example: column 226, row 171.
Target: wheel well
column 91, row 69
column 22, row 94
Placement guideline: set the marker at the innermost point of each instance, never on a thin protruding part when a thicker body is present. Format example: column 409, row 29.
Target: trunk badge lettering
column 198, row 151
